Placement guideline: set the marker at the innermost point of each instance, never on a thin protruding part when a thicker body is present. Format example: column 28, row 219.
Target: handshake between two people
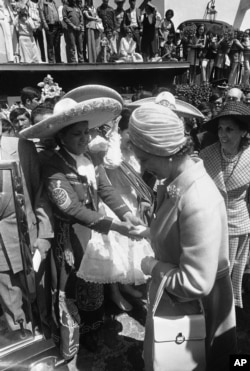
column 131, row 226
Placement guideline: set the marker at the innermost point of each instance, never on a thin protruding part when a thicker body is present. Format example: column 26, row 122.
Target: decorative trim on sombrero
column 96, row 112
column 167, row 99
column 86, row 92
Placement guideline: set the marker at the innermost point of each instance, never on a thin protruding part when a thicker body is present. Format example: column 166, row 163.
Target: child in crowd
column 114, row 259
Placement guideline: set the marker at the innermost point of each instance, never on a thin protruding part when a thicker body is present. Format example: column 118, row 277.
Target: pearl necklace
column 230, row 158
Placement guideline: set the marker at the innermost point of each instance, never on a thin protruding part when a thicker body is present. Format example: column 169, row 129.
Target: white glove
column 147, row 265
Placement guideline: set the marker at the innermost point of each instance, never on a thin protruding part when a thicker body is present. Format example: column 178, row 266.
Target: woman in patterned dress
column 228, row 163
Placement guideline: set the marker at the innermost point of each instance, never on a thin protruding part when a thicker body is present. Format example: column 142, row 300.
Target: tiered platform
column 13, row 77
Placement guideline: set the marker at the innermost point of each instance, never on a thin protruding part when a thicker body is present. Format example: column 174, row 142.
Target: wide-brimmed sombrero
column 238, row 110
column 86, row 92
column 96, row 111
column 167, row 99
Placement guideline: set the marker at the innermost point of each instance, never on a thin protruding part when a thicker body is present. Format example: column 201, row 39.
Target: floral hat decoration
column 50, row 89
column 167, row 99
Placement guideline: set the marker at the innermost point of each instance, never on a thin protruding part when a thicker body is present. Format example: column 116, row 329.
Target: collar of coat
column 179, row 185
column 69, row 160
column 212, row 161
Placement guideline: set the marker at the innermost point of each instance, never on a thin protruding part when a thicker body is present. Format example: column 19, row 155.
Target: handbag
column 179, row 341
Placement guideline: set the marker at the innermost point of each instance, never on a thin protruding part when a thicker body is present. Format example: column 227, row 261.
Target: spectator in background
column 73, row 17
column 246, row 57
column 27, row 46
column 44, row 146
column 201, row 137
column 169, row 50
column 127, row 49
column 65, row 30
column 200, row 49
column 34, row 13
column 132, row 19
column 107, row 15
column 30, row 97
column 166, row 28
column 209, row 56
column 119, row 15
column 216, row 102
column 148, row 32
column 109, row 50
column 234, row 94
column 92, row 32
column 52, row 26
column 234, row 54
column 20, row 119
column 222, row 62
column 6, row 45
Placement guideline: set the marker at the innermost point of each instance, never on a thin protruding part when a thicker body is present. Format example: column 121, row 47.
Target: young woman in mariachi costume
column 74, row 187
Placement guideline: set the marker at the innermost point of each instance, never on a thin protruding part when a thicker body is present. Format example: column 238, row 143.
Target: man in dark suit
column 132, row 19
column 39, row 219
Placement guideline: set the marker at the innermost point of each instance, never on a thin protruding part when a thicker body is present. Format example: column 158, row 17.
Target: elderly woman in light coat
column 189, row 235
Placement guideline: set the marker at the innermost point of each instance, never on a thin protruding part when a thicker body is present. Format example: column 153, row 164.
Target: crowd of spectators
column 76, row 31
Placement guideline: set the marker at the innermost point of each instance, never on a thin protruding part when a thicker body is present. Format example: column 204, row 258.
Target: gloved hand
column 147, row 265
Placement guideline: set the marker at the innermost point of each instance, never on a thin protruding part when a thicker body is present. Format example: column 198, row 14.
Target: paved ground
column 121, row 340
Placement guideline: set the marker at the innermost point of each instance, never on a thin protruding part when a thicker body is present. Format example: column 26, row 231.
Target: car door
column 23, row 345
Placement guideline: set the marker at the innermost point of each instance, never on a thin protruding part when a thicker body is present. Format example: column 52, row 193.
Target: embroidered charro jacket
column 74, row 201
column 234, row 190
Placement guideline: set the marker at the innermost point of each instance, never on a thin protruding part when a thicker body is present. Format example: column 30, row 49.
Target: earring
column 170, row 159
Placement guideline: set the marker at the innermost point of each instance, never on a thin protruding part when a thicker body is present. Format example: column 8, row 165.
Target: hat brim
column 212, row 125
column 87, row 92
column 182, row 108
column 96, row 112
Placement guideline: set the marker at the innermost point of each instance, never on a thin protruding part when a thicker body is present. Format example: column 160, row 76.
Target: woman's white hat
column 167, row 99
column 97, row 111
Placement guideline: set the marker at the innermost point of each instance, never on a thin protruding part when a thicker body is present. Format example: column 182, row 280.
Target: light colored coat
column 190, row 240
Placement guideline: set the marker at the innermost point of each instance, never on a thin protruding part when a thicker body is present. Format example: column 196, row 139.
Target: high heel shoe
column 118, row 299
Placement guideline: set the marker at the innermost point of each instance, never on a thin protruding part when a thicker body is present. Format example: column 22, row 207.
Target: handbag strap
column 160, row 291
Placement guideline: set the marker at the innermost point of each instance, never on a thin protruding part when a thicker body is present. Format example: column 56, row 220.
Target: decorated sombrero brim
column 96, row 112
column 180, row 107
column 86, row 92
column 237, row 110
